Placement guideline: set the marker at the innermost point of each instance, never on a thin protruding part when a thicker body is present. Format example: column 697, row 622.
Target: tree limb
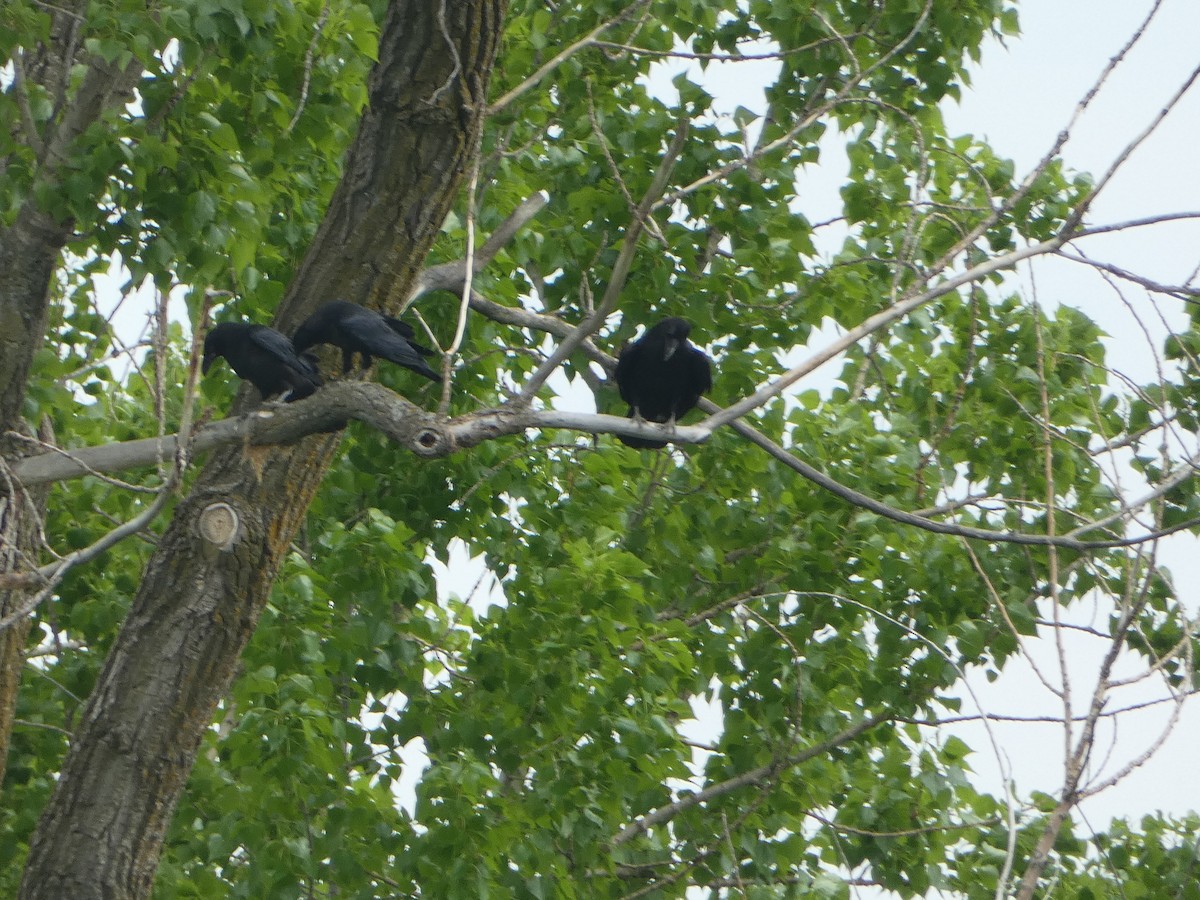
column 329, row 410
column 671, row 810
column 620, row 270
column 563, row 55
column 451, row 275
column 873, row 323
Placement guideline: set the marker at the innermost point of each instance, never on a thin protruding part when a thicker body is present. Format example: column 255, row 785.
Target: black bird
column 661, row 376
column 357, row 329
column 264, row 357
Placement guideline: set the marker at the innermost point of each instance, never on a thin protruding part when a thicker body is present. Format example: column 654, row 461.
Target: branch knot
column 432, row 441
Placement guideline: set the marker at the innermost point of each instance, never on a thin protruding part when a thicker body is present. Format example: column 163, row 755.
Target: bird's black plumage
column 661, row 376
column 264, row 357
column 357, row 329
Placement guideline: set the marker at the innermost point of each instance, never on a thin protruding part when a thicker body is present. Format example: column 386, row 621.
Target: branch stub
column 220, row 525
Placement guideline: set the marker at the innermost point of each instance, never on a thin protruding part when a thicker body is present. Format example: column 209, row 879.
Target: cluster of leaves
column 637, row 587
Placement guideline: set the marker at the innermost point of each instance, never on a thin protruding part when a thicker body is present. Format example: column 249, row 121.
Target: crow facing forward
column 661, row 376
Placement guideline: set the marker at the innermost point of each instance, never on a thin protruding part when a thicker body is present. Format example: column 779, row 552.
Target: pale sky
column 1022, row 96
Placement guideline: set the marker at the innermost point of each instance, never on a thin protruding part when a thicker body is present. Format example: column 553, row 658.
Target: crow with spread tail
column 357, row 329
column 264, row 357
column 661, row 376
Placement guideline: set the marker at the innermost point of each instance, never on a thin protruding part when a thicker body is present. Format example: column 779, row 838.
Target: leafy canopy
column 634, row 587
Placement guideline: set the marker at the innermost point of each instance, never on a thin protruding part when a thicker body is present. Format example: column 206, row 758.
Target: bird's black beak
column 671, row 346
column 206, row 363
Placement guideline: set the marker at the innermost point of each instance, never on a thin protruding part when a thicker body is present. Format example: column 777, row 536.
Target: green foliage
column 634, row 588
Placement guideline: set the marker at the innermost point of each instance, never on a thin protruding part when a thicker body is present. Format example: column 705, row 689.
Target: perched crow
column 661, row 376
column 264, row 357
column 357, row 329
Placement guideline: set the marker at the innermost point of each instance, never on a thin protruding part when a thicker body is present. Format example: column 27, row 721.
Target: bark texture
column 18, row 544
column 29, row 254
column 211, row 574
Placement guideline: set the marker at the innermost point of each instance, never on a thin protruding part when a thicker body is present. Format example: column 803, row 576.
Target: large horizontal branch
column 425, row 434
column 926, row 521
column 1069, row 541
column 329, row 409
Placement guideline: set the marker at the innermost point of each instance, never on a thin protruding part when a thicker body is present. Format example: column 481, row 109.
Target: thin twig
column 1179, row 292
column 874, row 323
column 620, row 270
column 21, row 91
column 807, row 121
column 450, row 276
column 468, row 277
column 454, row 73
column 563, row 55
column 753, row 776
column 308, row 66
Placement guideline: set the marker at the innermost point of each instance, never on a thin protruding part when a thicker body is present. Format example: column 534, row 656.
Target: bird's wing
column 276, row 344
column 406, row 331
column 369, row 337
column 701, row 371
column 627, row 374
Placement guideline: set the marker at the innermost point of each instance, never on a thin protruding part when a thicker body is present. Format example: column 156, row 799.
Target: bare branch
column 563, row 55
column 728, row 57
column 873, row 323
column 753, row 776
column 615, row 170
column 1137, row 223
column 815, row 116
column 468, row 276
column 454, row 73
column 423, row 433
column 522, row 318
column 21, row 90
column 620, row 270
column 1042, row 720
column 308, row 66
column 51, row 574
column 1137, row 141
column 450, row 276
column 1179, row 292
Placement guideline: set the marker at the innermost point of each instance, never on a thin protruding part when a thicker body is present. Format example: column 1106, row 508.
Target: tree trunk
column 17, row 543
column 29, row 254
column 212, row 571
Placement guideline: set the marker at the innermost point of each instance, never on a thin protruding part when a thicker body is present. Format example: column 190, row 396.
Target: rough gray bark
column 212, row 571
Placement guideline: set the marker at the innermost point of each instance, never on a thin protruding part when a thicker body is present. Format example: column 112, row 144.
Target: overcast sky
column 1022, row 96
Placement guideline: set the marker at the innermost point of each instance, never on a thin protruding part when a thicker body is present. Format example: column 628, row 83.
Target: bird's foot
column 635, row 415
